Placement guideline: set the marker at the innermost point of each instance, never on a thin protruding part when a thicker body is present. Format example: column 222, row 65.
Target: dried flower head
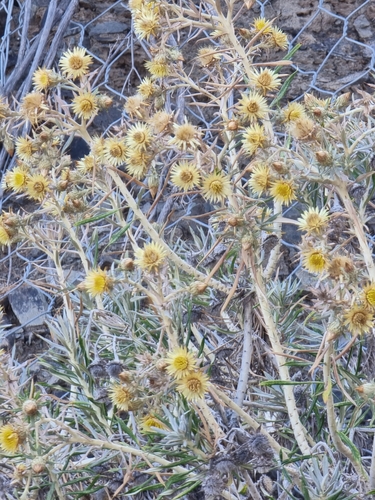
column 25, row 148
column 10, row 438
column 254, row 137
column 252, row 107
column 186, row 136
column 147, row 88
column 160, row 121
column 180, row 362
column 313, row 221
column 5, row 236
column 150, row 257
column 75, row 64
column 98, row 148
column 216, row 187
column 283, row 191
column 261, row 179
column 158, row 67
column 139, row 137
column 324, row 158
column 114, row 151
column 315, row 260
column 37, row 186
column 147, row 23
column 135, row 106
column 303, row 129
column 185, row 175
column 87, row 164
column 264, row 80
column 30, row 407
column 193, row 386
column 33, row 107
column 208, row 56
column 359, row 319
column 97, row 282
column 85, row 105
column 121, row 395
column 149, row 423
column 367, row 390
column 16, row 179
column 276, row 39
column 137, row 163
column 294, row 111
column 44, row 78
column 114, row 368
column 368, row 295
column 339, row 266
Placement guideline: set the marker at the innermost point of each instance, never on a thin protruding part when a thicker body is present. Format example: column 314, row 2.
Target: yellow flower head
column 180, row 362
column 283, row 191
column 253, row 138
column 98, row 148
column 293, row 112
column 261, row 23
column 264, row 80
column 315, row 260
column 260, row 180
column 114, row 151
column 25, row 148
column 97, row 282
column 43, row 79
column 149, row 422
column 147, row 23
column 147, row 88
column 252, row 107
column 208, row 56
column 136, row 5
column 75, row 63
column 216, row 187
column 85, row 105
column 33, row 107
column 186, row 136
column 137, row 163
column 158, row 67
column 87, row 164
column 193, row 386
column 139, row 137
column 121, row 395
column 359, row 319
column 368, row 295
column 5, row 238
column 150, row 257
column 37, row 186
column 16, row 179
column 185, row 175
column 10, row 438
column 276, row 39
column 313, row 221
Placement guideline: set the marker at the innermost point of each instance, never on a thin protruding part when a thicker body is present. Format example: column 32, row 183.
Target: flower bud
column 323, row 157
column 30, row 407
column 38, row 465
column 232, row 125
column 114, row 368
column 234, row 221
column 366, row 390
column 197, row 287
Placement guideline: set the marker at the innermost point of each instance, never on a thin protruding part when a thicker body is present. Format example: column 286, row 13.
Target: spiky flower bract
column 293, row 112
column 283, row 191
column 135, row 105
column 97, row 282
column 10, row 438
column 276, row 39
column 261, row 24
column 193, row 386
column 17, row 178
column 216, row 187
column 121, row 395
column 260, row 180
column 158, row 67
column 185, row 175
column 315, row 260
column 150, row 257
column 114, row 151
column 98, row 148
column 359, row 320
column 160, row 121
column 186, row 136
column 75, row 63
column 180, row 362
column 254, row 137
column 25, row 148
column 137, row 163
column 33, row 107
column 368, row 295
column 149, row 423
column 5, row 237
column 147, row 23
column 252, row 107
column 85, row 105
column 37, row 186
column 302, row 129
column 147, row 88
column 138, row 137
column 264, row 80
column 313, row 221
column 87, row 164
column 43, row 79
column 207, row 56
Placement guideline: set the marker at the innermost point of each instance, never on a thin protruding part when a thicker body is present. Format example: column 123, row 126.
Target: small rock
column 29, row 305
column 108, row 27
column 363, row 27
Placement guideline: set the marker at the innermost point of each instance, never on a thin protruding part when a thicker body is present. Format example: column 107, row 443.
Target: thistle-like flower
column 254, row 137
column 147, row 23
column 193, row 386
column 85, row 105
column 139, row 137
column 37, row 186
column 150, row 257
column 114, row 151
column 97, row 282
column 216, row 187
column 261, row 179
column 359, row 320
column 185, row 175
column 252, row 107
column 180, row 362
column 315, row 260
column 313, row 221
column 264, row 80
column 75, row 64
column 186, row 136
column 11, row 437
column 283, row 191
